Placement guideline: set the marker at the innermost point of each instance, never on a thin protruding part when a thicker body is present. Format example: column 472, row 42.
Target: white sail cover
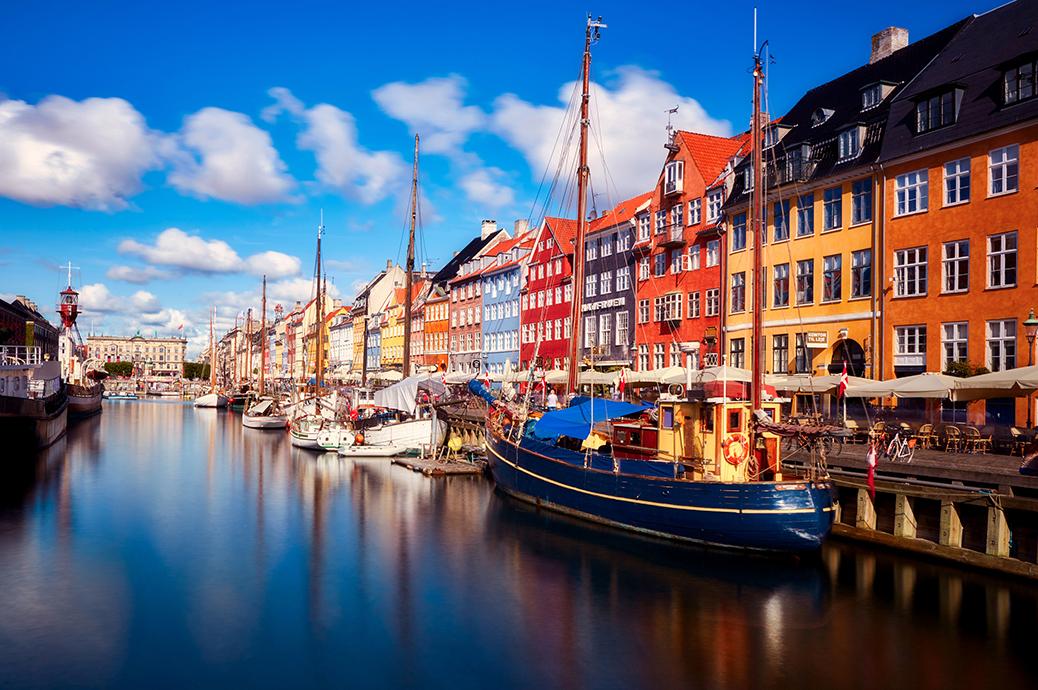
column 403, row 395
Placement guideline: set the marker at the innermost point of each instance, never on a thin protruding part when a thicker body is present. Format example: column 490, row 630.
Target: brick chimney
column 521, row 226
column 389, row 265
column 887, row 42
column 488, row 229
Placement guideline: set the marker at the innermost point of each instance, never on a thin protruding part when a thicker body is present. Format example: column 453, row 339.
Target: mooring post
column 866, row 511
column 904, row 517
column 998, row 532
column 951, row 525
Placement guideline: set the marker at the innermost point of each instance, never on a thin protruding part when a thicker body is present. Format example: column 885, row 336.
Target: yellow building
column 392, row 350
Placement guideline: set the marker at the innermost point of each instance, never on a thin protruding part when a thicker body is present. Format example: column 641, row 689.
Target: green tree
column 196, row 370
column 119, row 368
column 964, row 369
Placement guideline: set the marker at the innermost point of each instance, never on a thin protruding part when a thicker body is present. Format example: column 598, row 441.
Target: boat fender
column 735, row 448
column 358, row 439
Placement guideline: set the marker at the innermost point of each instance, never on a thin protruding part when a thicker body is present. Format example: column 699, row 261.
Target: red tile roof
column 712, row 153
column 564, row 230
column 622, row 213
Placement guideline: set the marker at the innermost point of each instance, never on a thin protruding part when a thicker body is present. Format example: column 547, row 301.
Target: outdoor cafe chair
column 926, row 436
column 952, row 439
column 857, row 433
column 1020, row 441
column 878, row 430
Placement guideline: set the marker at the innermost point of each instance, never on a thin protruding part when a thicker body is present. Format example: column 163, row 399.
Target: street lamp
column 1030, row 331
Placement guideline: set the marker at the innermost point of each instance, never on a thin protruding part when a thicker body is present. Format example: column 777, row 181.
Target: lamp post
column 1030, row 330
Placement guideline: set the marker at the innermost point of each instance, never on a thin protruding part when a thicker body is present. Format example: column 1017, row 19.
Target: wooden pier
column 440, row 467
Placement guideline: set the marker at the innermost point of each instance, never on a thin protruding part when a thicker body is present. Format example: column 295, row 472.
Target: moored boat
column 84, row 400
column 33, row 399
column 213, row 398
column 265, row 412
column 82, row 375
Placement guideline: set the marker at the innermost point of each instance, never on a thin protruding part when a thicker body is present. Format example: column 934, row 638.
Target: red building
column 679, row 254
column 466, row 308
column 547, row 297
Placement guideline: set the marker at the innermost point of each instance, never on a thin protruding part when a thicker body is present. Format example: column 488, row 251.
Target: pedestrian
column 553, row 400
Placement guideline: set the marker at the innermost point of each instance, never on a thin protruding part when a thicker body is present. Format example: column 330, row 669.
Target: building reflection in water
column 163, row 541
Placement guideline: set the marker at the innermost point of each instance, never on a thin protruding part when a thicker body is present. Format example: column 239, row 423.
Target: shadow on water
column 165, row 546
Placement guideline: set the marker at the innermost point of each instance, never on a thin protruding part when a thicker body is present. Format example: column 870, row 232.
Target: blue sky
column 235, row 124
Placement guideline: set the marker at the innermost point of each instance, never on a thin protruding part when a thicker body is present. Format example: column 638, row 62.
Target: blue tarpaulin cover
column 575, row 421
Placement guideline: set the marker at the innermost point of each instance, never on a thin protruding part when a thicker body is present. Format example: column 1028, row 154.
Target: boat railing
column 20, row 354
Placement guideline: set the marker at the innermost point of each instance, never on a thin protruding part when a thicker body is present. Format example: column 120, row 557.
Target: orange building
column 960, row 168
column 436, row 309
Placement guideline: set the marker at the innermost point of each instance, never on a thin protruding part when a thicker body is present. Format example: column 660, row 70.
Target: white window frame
column 1003, row 260
column 695, row 211
column 955, row 266
column 957, row 182
column 954, row 337
column 1004, row 170
column 912, row 192
column 693, row 305
column 910, row 345
column 911, row 272
column 713, row 253
column 714, row 203
column 1000, row 344
column 713, row 302
column 623, row 327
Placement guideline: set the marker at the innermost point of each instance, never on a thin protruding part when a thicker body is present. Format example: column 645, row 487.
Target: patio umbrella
column 999, row 384
column 805, row 383
column 926, row 385
column 599, row 378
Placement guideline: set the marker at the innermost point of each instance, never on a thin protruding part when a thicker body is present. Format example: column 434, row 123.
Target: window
column 589, row 330
column 739, row 232
column 779, row 354
column 607, row 246
column 850, row 143
column 693, row 258
column 592, row 249
column 658, row 356
column 605, row 282
column 871, row 96
column 1002, row 260
column 780, row 286
column 590, row 286
column 661, row 222
column 714, row 201
column 1020, row 83
column 622, row 329
column 643, row 311
column 643, row 358
column 713, row 253
column 861, row 201
column 806, row 281
column 954, row 341
column 738, row 302
column 675, row 173
column 623, row 279
column 955, row 266
column 677, row 217
column 695, row 212
column 668, row 307
column 833, row 210
column 861, row 273
column 1004, row 166
column 781, row 220
column 910, row 272
column 957, row 182
column 713, row 301
column 643, row 268
column 910, row 346
column 660, row 265
column 675, row 261
column 820, row 115
column 912, row 193
column 805, row 215
column 1001, row 340
column 832, row 278
column 934, row 112
column 643, row 227
column 623, row 241
column 569, row 292
column 558, row 295
column 693, row 305
column 675, row 355
column 737, row 356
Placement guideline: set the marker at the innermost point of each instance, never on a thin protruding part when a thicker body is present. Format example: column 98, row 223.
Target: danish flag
column 842, row 389
column 622, row 383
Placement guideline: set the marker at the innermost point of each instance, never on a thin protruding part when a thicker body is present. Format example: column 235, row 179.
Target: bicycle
column 900, row 449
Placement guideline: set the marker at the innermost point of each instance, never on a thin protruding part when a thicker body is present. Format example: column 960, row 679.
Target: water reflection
column 164, row 542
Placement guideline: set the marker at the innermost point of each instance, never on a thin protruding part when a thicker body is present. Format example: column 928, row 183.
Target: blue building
column 502, row 281
column 374, row 344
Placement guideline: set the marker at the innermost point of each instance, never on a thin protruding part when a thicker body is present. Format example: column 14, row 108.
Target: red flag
column 842, row 389
column 622, row 383
column 486, row 379
column 870, row 458
column 443, row 378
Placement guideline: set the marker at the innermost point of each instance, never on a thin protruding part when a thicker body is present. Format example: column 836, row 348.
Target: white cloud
column 137, row 274
column 291, row 290
column 434, row 108
column 174, row 247
column 88, row 154
column 284, row 102
column 97, row 298
column 629, row 118
column 225, row 156
column 483, row 186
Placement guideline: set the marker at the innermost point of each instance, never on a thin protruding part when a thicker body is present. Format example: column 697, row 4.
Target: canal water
column 164, row 546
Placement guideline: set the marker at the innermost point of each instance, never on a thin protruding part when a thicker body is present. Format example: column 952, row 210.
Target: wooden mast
column 263, row 336
column 592, row 30
column 410, row 265
column 319, row 369
column 248, row 347
column 212, row 355
column 756, row 226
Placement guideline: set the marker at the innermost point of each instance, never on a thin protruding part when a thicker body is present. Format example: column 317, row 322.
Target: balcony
column 673, row 186
column 673, row 237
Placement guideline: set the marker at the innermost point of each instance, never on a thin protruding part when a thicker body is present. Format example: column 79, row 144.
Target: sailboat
column 266, row 412
column 213, row 398
column 83, row 382
column 701, row 468
column 315, row 426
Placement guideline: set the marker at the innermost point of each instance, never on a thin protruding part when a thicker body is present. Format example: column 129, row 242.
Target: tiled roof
column 564, row 230
column 621, row 213
column 711, row 154
column 974, row 61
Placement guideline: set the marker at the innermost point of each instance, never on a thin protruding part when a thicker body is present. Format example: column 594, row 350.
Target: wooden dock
column 438, row 467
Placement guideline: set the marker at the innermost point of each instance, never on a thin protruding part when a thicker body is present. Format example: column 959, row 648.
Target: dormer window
column 773, row 134
column 674, row 177
column 874, row 94
column 1019, row 83
column 820, row 116
column 850, row 142
column 936, row 111
column 747, row 178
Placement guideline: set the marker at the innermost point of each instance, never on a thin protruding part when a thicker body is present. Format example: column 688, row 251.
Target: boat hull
column 413, row 433
column 211, row 400
column 275, row 422
column 761, row 516
column 84, row 403
column 30, row 424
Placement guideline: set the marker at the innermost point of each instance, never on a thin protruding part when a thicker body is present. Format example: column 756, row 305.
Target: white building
column 153, row 356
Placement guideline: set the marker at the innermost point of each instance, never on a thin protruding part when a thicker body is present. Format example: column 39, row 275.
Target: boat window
column 706, row 419
column 668, row 417
column 734, row 420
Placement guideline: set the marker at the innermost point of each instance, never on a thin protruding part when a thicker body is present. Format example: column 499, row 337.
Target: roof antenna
column 671, row 112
